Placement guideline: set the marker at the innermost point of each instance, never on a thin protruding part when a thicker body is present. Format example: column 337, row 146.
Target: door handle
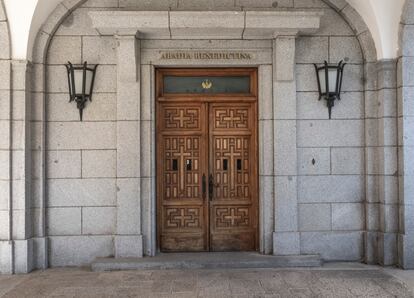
column 210, row 186
column 204, row 186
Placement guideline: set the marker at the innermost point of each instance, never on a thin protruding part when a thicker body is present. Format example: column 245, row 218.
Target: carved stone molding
column 206, row 24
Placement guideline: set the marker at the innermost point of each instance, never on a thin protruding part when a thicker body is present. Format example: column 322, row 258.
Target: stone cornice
column 205, row 24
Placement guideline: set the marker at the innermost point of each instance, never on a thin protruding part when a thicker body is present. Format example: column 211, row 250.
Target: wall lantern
column 330, row 82
column 81, row 79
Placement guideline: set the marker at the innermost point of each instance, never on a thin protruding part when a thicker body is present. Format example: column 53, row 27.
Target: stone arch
column 358, row 25
column 405, row 92
column 4, row 33
column 63, row 10
column 352, row 17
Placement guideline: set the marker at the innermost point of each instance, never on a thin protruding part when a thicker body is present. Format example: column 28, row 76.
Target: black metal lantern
column 330, row 82
column 81, row 79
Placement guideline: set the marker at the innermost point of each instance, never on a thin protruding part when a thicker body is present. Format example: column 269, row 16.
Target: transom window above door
column 216, row 82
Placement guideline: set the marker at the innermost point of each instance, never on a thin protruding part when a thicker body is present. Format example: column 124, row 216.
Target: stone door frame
column 266, row 149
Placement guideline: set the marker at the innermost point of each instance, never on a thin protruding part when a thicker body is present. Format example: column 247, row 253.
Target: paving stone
column 205, row 283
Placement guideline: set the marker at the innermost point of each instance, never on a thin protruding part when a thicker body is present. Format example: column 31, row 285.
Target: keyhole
column 313, row 161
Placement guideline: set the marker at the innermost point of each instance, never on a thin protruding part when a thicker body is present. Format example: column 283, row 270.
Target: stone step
column 211, row 260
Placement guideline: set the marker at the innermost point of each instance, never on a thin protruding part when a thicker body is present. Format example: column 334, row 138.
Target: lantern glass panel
column 332, row 74
column 78, row 74
column 88, row 82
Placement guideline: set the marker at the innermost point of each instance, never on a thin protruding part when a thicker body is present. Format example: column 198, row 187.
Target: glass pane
column 239, row 165
column 225, row 164
column 175, row 165
column 208, row 85
column 332, row 74
column 189, row 165
column 78, row 81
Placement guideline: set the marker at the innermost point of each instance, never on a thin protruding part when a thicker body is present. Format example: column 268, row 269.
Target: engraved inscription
column 206, row 56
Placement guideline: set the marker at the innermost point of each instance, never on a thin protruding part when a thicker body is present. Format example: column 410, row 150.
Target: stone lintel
column 150, row 24
column 205, row 25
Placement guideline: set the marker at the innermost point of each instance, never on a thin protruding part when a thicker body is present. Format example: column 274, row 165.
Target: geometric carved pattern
column 182, row 182
column 233, row 181
column 231, row 117
column 229, row 217
column 184, row 118
column 181, row 217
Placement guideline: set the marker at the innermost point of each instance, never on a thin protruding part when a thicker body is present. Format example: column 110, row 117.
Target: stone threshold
column 207, row 260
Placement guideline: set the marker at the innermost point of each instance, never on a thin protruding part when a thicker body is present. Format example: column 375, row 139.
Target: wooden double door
column 207, row 172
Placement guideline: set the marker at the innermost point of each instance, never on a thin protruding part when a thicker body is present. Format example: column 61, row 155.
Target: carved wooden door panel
column 207, row 174
column 233, row 209
column 182, row 161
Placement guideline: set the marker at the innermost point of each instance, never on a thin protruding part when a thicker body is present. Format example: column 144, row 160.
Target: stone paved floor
column 345, row 281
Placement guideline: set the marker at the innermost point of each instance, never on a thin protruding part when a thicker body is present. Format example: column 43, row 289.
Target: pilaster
column 405, row 160
column 286, row 238
column 21, row 168
column 387, row 162
column 128, row 241
column 6, row 203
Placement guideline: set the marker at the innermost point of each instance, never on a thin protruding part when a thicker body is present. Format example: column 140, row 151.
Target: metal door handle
column 204, row 186
column 210, row 186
